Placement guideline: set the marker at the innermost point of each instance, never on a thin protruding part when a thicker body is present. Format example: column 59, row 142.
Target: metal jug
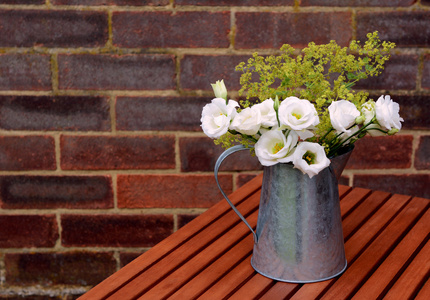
column 299, row 235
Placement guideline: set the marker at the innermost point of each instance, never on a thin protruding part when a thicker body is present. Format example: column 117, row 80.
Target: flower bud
column 220, row 90
column 392, row 131
column 360, row 120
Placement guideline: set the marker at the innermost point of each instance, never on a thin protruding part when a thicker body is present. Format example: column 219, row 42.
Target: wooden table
column 386, row 243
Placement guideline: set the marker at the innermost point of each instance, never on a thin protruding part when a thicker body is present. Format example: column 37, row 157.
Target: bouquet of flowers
column 300, row 107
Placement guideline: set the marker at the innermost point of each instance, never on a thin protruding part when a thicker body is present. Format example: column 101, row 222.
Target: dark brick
column 272, row 30
column 184, row 219
column 33, row 2
column 160, row 113
column 400, row 73
column 425, row 2
column 414, row 110
column 405, row 28
column 201, row 154
column 53, row 28
column 112, row 2
column 127, row 257
column 117, row 152
column 116, row 72
column 162, row 29
column 47, row 269
column 26, row 192
column 422, row 155
column 235, row 2
column 189, row 191
column 382, row 3
column 406, row 184
column 27, row 153
column 243, row 178
column 426, row 72
column 199, row 71
column 382, row 153
column 54, row 113
column 25, row 72
column 24, row 231
column 115, row 230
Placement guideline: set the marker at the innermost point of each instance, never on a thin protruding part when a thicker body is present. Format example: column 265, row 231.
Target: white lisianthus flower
column 216, row 117
column 342, row 115
column 299, row 115
column 268, row 113
column 310, row 158
column 220, row 90
column 273, row 147
column 346, row 135
column 367, row 114
column 248, row 121
column 387, row 113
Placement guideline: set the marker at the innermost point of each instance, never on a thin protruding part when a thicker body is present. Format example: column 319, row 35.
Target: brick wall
column 101, row 152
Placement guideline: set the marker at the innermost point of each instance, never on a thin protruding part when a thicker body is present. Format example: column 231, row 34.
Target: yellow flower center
column 297, row 116
column 277, row 147
column 309, row 157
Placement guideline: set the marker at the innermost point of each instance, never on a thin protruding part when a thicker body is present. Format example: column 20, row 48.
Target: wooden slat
column 387, row 271
column 371, row 257
column 424, row 293
column 281, row 290
column 406, row 286
column 235, row 278
column 118, row 279
column 181, row 254
column 357, row 242
column 253, row 288
column 210, row 275
column 352, row 199
column 181, row 276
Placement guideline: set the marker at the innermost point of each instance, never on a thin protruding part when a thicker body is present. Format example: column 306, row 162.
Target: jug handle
column 221, row 158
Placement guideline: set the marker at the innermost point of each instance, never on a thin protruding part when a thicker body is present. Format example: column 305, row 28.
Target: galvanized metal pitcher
column 299, row 235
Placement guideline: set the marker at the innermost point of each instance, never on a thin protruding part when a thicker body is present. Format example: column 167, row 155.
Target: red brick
column 374, row 3
column 25, row 72
column 414, row 110
column 235, row 2
column 24, row 231
column 170, row 191
column 382, row 153
column 159, row 113
column 272, row 30
column 26, row 192
column 400, row 73
column 53, row 28
column 111, row 2
column 160, row 29
column 116, row 72
column 201, row 154
column 47, row 269
column 127, row 257
column 117, row 152
column 184, row 219
column 422, row 154
column 34, row 2
column 54, row 113
column 115, row 230
column 405, row 28
column 406, row 184
column 426, row 72
column 243, row 178
column 27, row 153
column 425, row 2
column 199, row 71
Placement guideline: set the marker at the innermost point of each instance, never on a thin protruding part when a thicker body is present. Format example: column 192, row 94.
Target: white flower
column 346, row 135
column 274, row 147
column 310, row 158
column 342, row 115
column 368, row 113
column 298, row 114
column 216, row 117
column 268, row 113
column 387, row 113
column 220, row 90
column 248, row 121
